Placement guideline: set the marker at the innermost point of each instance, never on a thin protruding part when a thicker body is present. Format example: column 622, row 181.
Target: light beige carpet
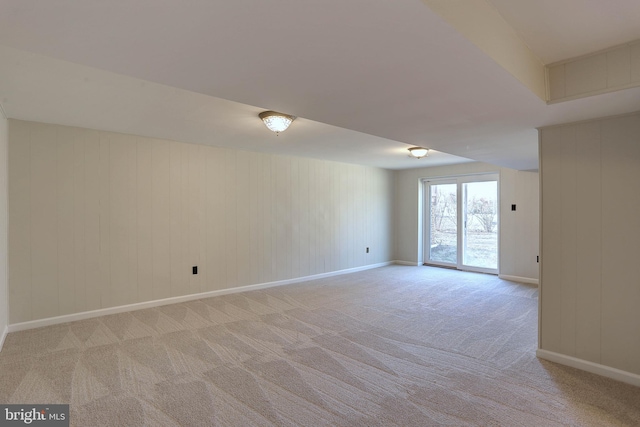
column 405, row 346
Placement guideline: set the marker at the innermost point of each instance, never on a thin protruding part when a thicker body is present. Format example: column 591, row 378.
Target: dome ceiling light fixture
column 418, row 152
column 276, row 122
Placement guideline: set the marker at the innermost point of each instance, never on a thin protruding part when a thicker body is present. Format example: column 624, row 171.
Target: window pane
column 444, row 223
column 480, row 224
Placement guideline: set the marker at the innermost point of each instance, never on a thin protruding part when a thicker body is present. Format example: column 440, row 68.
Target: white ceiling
column 561, row 29
column 368, row 78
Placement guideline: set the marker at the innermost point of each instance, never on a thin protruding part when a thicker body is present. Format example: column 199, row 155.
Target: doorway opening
column 462, row 222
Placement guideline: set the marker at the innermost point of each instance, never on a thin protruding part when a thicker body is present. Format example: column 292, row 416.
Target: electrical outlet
column 513, row 207
column 367, row 250
column 194, row 269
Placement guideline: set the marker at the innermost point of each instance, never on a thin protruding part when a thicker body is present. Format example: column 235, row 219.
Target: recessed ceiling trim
column 608, row 70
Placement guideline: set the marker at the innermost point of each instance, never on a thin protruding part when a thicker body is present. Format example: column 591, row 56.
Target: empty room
column 349, row 213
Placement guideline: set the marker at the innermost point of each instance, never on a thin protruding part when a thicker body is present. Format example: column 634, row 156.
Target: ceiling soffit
column 481, row 24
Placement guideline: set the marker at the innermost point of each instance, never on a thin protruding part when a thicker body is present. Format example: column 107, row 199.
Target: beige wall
column 100, row 219
column 590, row 283
column 4, row 305
column 519, row 230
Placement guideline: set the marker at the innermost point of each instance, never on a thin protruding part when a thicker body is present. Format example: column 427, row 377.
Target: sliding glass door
column 462, row 222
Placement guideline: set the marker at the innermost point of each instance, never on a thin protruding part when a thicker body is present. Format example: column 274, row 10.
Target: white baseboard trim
column 594, row 368
column 519, row 279
column 3, row 336
column 15, row 327
column 413, row 264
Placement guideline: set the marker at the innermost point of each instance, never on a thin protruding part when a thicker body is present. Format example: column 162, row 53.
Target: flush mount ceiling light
column 276, row 122
column 418, row 152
